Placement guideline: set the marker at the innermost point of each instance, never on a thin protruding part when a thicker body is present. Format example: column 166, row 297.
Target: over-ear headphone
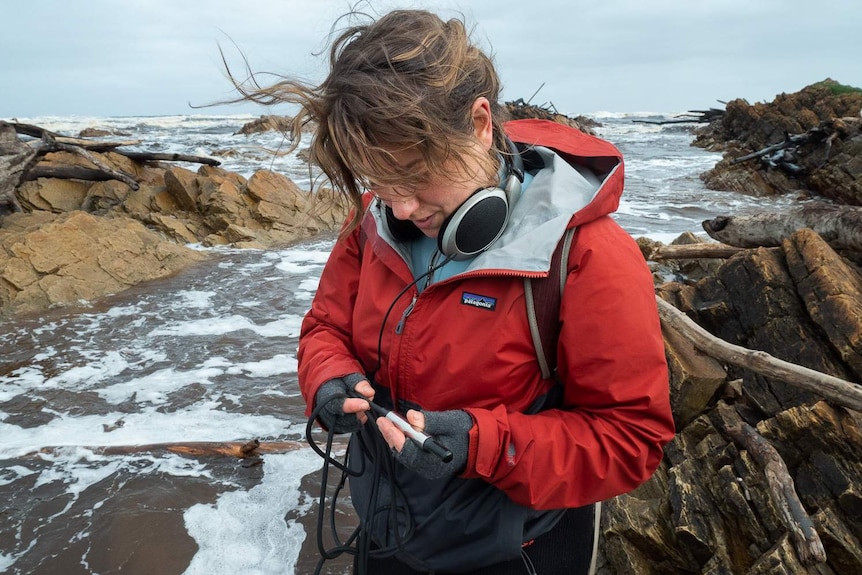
column 477, row 223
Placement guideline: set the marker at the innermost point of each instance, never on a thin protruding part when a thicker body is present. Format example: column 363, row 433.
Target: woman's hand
column 394, row 436
column 344, row 414
column 449, row 428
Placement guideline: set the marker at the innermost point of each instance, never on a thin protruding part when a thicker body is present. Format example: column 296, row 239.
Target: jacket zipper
column 400, row 327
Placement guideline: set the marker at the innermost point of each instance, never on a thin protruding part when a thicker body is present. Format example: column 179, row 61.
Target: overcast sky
column 155, row 57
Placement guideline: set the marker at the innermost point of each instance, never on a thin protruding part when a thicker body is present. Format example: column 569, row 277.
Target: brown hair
column 406, row 80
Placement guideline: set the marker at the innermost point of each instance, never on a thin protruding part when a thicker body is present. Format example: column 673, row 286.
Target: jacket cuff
column 484, row 451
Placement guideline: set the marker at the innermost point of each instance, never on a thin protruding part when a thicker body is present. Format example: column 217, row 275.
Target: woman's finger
column 393, row 436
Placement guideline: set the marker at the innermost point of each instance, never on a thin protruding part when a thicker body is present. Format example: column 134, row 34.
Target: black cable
column 382, row 462
column 381, row 456
column 430, row 271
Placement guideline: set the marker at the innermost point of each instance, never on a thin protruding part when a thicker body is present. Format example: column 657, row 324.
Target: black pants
column 564, row 550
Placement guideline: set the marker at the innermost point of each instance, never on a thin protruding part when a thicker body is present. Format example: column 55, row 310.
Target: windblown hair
column 405, row 81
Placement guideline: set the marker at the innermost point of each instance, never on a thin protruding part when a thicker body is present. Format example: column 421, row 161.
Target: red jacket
column 608, row 435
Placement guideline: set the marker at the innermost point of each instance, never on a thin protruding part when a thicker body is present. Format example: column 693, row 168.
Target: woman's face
column 429, row 204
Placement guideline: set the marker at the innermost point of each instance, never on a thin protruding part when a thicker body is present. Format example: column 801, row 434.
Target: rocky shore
column 812, row 138
column 764, row 475
column 79, row 239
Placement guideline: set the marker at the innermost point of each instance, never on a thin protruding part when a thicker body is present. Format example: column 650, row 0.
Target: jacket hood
column 582, row 180
column 578, row 149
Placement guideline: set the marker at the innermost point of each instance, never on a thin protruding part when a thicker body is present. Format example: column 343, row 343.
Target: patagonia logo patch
column 480, row 301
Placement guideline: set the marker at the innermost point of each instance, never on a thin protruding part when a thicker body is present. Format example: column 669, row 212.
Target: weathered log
column 806, row 540
column 827, row 386
column 154, row 156
column 690, row 117
column 15, row 158
column 840, row 226
column 693, row 251
column 102, row 166
column 238, row 449
column 786, row 143
column 67, row 173
column 31, row 130
column 21, row 163
column 95, row 146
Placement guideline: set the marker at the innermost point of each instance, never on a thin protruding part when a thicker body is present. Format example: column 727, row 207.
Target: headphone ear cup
column 475, row 225
column 401, row 230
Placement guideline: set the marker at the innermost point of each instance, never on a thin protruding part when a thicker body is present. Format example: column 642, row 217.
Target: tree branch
column 831, row 388
column 693, row 251
column 238, row 449
column 154, row 156
column 793, row 514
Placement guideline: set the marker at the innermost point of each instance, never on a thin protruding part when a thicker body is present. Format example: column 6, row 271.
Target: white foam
column 20, row 381
column 312, row 256
column 121, row 311
column 245, row 531
column 13, row 473
column 99, row 368
column 196, row 299
column 6, row 561
column 201, row 422
column 287, row 326
column 280, row 364
column 153, row 388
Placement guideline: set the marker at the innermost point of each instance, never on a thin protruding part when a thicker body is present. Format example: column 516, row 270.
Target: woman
column 421, row 308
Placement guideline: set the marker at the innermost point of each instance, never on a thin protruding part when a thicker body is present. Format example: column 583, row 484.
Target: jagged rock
column 52, row 195
column 222, row 203
column 183, row 186
column 265, row 124
column 103, row 196
column 828, row 165
column 63, row 258
column 100, row 133
column 709, row 508
column 753, row 301
column 520, row 110
column 831, row 291
column 220, row 175
column 175, row 228
column 695, row 378
column 212, row 206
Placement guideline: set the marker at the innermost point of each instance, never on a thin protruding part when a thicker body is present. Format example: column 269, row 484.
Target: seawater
column 210, row 355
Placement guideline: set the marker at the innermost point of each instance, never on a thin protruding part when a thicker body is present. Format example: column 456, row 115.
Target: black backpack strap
column 543, row 297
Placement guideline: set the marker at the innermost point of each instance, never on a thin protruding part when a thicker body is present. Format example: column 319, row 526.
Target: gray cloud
column 147, row 57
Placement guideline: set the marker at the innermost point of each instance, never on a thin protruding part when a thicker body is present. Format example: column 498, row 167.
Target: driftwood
column 67, row 173
column 241, row 450
column 19, row 160
column 110, row 172
column 832, row 388
column 783, row 155
column 153, row 156
column 690, row 117
column 693, row 251
column 806, row 540
column 840, row 226
column 789, row 141
column 96, row 146
column 16, row 158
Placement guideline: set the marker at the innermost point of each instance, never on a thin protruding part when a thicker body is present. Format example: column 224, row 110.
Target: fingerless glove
column 331, row 396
